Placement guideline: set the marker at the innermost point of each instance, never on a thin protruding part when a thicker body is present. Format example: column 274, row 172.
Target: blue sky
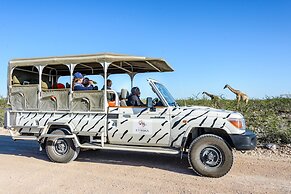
column 246, row 44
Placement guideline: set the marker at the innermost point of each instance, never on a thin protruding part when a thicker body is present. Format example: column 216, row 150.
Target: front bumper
column 245, row 141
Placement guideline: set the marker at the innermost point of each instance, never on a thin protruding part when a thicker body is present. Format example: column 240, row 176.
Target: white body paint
column 164, row 127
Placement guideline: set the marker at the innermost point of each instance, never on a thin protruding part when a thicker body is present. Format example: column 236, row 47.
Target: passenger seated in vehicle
column 110, row 96
column 58, row 86
column 134, row 98
column 87, row 83
column 109, row 84
column 78, row 83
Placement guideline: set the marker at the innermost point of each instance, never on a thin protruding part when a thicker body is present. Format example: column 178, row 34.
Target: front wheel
column 209, row 155
column 61, row 150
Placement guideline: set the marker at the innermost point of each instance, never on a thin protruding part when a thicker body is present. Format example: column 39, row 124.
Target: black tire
column 61, row 150
column 209, row 155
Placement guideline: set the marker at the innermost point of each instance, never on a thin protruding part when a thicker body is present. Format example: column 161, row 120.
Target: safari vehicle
column 65, row 121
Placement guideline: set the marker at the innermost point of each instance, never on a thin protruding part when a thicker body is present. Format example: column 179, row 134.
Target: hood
column 213, row 112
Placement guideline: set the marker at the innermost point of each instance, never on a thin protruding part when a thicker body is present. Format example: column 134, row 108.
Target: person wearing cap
column 87, row 83
column 78, row 83
column 134, row 98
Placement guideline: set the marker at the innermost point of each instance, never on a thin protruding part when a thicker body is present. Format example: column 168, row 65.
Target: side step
column 131, row 148
column 24, row 138
column 21, row 126
column 17, row 136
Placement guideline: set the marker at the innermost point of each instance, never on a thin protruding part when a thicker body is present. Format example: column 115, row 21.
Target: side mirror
column 149, row 104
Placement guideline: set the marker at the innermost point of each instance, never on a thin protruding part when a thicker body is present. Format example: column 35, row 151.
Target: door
column 141, row 126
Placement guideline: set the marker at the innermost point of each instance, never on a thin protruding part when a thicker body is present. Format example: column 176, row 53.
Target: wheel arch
column 51, row 127
column 194, row 132
column 65, row 128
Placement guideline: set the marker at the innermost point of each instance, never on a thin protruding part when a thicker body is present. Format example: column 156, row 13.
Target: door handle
column 126, row 116
column 157, row 117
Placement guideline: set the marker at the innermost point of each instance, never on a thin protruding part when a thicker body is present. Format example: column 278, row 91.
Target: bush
column 3, row 105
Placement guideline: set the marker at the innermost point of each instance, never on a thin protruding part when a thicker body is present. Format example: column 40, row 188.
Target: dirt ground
column 23, row 169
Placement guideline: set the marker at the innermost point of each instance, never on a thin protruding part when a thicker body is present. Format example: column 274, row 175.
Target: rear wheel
column 209, row 155
column 61, row 150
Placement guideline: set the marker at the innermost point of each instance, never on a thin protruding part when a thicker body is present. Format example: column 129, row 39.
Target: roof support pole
column 9, row 73
column 71, row 68
column 40, row 69
column 131, row 79
column 105, row 67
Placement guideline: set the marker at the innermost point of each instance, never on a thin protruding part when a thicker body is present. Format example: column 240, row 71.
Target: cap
column 78, row 75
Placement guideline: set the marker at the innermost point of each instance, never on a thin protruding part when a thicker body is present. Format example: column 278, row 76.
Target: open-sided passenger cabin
column 64, row 121
column 34, row 82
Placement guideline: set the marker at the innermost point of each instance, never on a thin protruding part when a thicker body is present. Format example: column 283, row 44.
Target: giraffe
column 214, row 98
column 239, row 95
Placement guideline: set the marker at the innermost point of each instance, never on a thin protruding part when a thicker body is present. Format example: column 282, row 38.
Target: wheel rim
column 211, row 156
column 61, row 146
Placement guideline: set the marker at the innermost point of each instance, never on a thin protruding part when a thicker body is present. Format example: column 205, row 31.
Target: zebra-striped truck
column 64, row 121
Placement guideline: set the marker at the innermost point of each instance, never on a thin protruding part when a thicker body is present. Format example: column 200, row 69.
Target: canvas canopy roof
column 119, row 63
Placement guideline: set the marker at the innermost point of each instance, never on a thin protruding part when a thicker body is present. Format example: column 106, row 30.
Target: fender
column 44, row 135
column 50, row 124
column 191, row 128
column 184, row 139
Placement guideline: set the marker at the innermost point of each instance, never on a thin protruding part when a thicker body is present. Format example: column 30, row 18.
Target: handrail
column 84, row 99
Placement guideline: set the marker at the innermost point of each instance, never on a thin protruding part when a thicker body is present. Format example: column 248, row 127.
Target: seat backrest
column 15, row 80
column 54, row 99
column 123, row 102
column 123, row 96
column 88, row 100
column 24, row 97
column 44, row 85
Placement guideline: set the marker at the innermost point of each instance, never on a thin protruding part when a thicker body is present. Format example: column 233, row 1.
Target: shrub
column 3, row 105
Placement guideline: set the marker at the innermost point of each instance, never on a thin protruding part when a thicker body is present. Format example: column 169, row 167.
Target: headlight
column 238, row 123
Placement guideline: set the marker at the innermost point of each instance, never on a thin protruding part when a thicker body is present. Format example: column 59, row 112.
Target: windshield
column 166, row 94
